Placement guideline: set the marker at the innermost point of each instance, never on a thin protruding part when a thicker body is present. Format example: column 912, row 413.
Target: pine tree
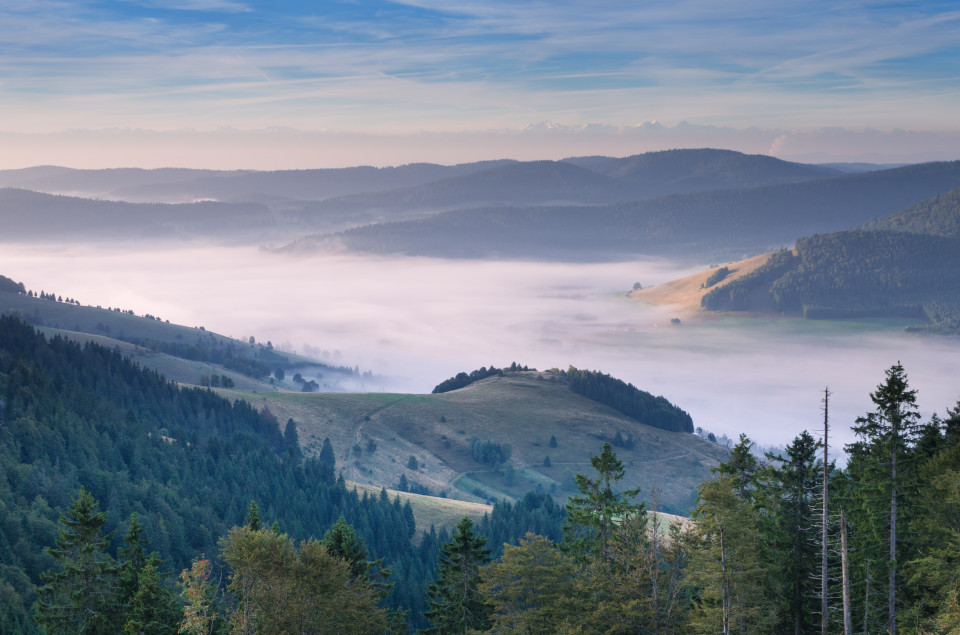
column 342, row 541
column 727, row 564
column 454, row 599
column 253, row 516
column 132, row 559
column 82, row 598
column 327, row 457
column 742, row 467
column 880, row 468
column 152, row 610
column 592, row 515
column 531, row 588
column 785, row 503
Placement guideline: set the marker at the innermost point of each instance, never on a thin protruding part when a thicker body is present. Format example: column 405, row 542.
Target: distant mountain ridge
column 705, row 204
column 701, row 224
column 683, row 171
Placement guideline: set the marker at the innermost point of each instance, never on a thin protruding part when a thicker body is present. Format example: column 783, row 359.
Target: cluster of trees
column 628, row 400
column 490, row 452
column 216, row 381
column 715, row 277
column 461, row 380
column 11, row 286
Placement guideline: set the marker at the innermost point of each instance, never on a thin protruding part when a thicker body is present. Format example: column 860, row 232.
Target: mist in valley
column 416, row 321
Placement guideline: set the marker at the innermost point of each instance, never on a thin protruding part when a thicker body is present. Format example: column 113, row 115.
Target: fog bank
column 417, row 321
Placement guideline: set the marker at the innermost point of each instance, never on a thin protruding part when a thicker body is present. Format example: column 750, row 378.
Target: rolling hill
column 374, row 435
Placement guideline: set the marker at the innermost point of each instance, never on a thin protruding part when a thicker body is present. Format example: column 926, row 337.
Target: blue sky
column 400, row 68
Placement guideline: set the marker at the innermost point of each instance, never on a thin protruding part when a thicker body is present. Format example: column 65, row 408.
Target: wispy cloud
column 470, row 64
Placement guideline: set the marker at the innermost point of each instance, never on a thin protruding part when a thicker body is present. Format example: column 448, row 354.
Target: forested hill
column 531, row 182
column 28, row 215
column 698, row 170
column 186, row 460
column 939, row 216
column 726, row 222
column 855, row 274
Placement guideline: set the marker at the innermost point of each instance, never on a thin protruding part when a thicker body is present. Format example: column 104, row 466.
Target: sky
column 232, row 83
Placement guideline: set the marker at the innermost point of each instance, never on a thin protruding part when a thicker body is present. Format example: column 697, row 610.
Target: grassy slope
column 522, row 409
column 431, row 510
column 88, row 323
column 685, row 293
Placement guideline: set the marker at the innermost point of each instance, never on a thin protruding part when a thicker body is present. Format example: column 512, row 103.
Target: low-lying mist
column 417, row 321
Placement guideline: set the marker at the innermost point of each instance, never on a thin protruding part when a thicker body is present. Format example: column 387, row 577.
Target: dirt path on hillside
column 364, row 418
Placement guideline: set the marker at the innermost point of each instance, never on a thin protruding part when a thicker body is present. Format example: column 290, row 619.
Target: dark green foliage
column 455, row 603
column 153, row 609
column 716, row 276
column 938, row 216
column 83, row 597
column 629, row 400
column 10, row 286
column 342, row 541
column 739, row 295
column 253, row 516
column 461, row 380
column 290, row 437
column 412, row 463
column 593, row 514
column 85, row 415
column 490, row 452
column 855, row 274
column 509, row 522
column 883, row 470
column 786, row 503
column 741, row 467
column 327, row 457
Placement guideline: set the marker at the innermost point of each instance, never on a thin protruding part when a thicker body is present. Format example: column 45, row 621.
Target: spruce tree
column 454, row 599
column 83, row 597
column 880, row 468
column 593, row 514
column 152, row 609
column 784, row 504
column 253, row 516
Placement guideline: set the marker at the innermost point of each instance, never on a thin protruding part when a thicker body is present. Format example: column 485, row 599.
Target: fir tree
column 253, row 516
column 82, row 598
column 593, row 514
column 880, row 466
column 152, row 609
column 454, row 599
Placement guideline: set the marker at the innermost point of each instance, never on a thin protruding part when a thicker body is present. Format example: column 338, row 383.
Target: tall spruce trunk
column 892, row 591
column 866, row 600
column 823, row 528
column 726, row 589
column 845, row 564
